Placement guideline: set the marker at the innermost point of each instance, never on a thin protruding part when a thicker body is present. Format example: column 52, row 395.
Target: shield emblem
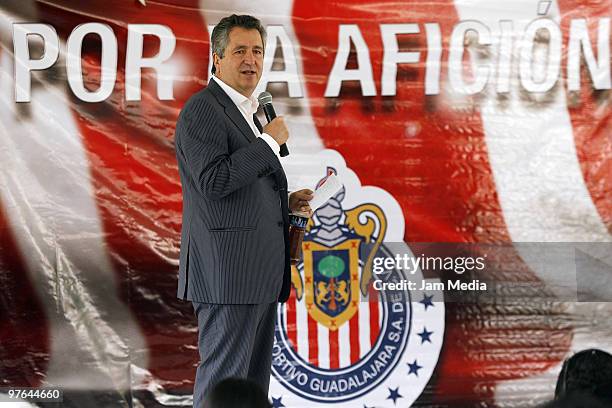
column 331, row 277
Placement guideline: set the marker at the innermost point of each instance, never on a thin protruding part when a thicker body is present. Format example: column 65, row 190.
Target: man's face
column 242, row 61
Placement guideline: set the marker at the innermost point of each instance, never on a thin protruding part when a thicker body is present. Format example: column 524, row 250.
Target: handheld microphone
column 265, row 100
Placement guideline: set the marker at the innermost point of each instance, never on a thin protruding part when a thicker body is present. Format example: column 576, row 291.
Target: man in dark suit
column 234, row 261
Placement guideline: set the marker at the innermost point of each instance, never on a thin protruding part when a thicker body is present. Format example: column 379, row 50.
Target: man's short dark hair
column 220, row 34
column 588, row 372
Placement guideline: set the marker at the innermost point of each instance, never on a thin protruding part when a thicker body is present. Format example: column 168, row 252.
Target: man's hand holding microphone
column 278, row 130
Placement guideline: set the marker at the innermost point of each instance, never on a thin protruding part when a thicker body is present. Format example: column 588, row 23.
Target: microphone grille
column 264, row 98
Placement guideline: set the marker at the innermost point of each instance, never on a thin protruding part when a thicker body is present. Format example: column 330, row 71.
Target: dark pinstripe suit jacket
column 235, row 213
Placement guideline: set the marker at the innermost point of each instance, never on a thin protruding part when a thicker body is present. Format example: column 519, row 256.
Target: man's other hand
column 298, row 201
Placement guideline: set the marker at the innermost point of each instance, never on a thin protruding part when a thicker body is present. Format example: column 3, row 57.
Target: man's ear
column 216, row 62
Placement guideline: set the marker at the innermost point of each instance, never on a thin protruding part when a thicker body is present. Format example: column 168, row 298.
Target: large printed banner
column 479, row 122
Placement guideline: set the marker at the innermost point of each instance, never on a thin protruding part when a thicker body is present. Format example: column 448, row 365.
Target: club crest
column 339, row 341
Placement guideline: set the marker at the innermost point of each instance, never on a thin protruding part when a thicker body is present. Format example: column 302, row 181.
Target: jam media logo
column 338, row 341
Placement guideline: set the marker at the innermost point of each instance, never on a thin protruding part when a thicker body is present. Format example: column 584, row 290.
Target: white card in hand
column 326, row 191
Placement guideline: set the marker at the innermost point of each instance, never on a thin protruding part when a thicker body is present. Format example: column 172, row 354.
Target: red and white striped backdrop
column 90, row 196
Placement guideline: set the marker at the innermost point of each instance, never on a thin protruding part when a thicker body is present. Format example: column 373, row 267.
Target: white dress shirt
column 248, row 107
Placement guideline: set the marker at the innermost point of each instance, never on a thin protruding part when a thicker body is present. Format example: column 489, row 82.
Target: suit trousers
column 233, row 341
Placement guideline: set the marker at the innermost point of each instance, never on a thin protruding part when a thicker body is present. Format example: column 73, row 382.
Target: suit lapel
column 231, row 110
